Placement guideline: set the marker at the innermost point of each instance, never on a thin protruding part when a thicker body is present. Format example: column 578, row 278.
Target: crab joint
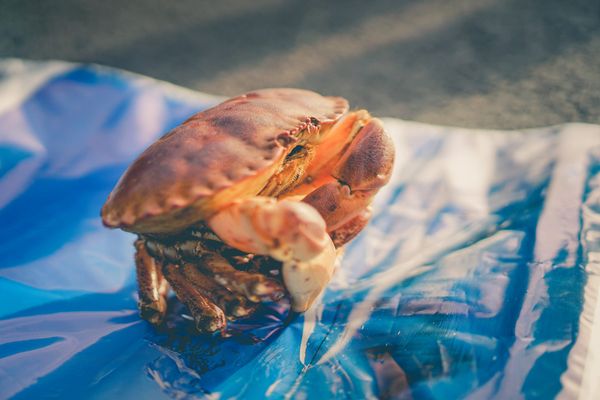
column 338, row 204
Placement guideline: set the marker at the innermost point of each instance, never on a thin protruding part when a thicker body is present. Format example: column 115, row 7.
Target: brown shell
column 229, row 151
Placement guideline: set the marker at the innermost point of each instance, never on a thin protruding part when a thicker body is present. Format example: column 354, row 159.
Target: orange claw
column 363, row 169
column 367, row 163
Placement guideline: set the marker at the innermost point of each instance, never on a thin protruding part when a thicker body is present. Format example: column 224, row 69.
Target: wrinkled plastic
column 477, row 277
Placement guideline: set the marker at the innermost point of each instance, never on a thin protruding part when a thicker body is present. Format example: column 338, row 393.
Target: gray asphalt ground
column 475, row 63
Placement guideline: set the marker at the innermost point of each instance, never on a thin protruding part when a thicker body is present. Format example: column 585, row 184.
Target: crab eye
column 296, row 150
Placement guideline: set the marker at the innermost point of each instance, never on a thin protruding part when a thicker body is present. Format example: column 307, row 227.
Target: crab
column 249, row 201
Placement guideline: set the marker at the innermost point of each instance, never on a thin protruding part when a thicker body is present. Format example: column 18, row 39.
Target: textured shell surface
column 228, row 150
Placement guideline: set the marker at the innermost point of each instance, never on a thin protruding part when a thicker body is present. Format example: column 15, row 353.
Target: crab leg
column 254, row 286
column 363, row 169
column 233, row 304
column 207, row 315
column 152, row 286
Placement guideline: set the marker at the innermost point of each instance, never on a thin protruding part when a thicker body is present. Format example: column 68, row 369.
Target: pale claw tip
column 305, row 280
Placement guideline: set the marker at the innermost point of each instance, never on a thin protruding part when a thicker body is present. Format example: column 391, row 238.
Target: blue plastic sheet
column 477, row 277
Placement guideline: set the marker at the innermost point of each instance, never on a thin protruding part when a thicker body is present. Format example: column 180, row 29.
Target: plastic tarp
column 478, row 276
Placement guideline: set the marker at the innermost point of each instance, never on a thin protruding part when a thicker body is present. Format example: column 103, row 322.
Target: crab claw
column 367, row 163
column 363, row 169
column 285, row 230
column 289, row 231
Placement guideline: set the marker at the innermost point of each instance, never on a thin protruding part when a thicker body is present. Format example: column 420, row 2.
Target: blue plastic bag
column 477, row 277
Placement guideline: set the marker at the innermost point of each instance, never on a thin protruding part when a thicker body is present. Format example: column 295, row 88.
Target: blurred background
column 473, row 63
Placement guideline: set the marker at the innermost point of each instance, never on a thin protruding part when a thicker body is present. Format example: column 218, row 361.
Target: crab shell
column 219, row 155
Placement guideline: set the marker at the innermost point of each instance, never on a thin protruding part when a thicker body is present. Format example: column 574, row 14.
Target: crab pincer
column 365, row 167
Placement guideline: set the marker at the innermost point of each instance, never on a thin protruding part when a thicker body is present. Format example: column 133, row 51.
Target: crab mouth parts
column 312, row 158
column 291, row 171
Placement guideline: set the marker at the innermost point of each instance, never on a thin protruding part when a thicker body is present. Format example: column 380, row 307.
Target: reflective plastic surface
column 477, row 277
